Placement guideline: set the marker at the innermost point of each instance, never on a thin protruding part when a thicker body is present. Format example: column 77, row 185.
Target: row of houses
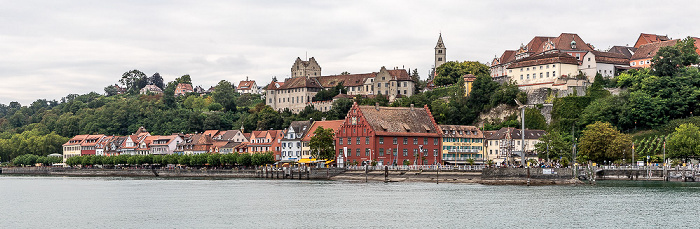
column 244, row 86
column 385, row 135
column 552, row 62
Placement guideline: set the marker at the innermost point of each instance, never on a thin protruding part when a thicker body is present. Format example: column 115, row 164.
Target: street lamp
column 522, row 133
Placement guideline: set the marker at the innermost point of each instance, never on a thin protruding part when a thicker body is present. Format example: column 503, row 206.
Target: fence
column 421, row 167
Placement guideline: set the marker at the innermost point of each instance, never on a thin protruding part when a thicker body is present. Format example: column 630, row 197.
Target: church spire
column 440, row 53
column 439, row 43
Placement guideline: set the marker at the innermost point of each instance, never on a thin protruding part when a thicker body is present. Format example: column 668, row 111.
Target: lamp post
column 522, row 133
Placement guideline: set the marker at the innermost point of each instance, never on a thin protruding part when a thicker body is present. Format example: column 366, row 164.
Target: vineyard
column 650, row 146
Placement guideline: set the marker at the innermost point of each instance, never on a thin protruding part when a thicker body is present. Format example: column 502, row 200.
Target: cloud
column 54, row 48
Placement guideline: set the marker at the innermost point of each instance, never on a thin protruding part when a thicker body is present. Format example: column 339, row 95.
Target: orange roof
column 211, row 133
column 76, row 140
column 246, row 85
column 332, row 124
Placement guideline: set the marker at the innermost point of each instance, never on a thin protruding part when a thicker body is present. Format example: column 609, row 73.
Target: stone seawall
column 313, row 173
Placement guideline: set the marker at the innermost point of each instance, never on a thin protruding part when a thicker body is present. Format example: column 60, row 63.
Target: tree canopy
column 451, row 71
column 684, row 143
column 601, row 142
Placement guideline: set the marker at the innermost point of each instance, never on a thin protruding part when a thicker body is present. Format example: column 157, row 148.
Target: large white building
column 291, row 148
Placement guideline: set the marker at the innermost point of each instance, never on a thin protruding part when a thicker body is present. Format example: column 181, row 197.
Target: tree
column 555, row 145
column 684, row 143
column 244, row 159
column 322, row 144
column 668, row 60
column 534, row 119
column 133, row 81
column 450, row 72
column 157, row 80
column 111, row 90
column 186, row 79
column 224, row 94
column 600, row 142
column 418, row 85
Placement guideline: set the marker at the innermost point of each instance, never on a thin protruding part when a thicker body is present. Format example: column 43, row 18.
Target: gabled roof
column 230, row 145
column 332, row 124
column 563, row 42
column 91, row 140
column 211, row 133
column 76, row 140
column 626, row 51
column 548, row 58
column 185, row 87
column 347, row 80
column 459, row 131
column 246, row 85
column 536, row 44
column 610, row 58
column 274, row 85
column 507, row 57
column 649, row 50
column 300, row 127
column 512, row 133
column 646, row 38
column 399, row 120
column 399, row 74
column 300, row 82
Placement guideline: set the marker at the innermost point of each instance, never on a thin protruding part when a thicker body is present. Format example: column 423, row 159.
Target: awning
column 306, row 160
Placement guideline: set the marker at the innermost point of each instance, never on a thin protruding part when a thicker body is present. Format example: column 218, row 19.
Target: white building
column 291, row 142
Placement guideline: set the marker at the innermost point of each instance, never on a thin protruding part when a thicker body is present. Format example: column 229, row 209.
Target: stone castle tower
column 440, row 52
column 305, row 68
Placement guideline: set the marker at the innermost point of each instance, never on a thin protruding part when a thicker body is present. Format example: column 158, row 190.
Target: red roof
column 332, row 124
column 246, row 84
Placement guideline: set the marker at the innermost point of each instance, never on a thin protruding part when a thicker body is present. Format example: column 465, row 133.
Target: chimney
column 376, row 106
column 411, row 106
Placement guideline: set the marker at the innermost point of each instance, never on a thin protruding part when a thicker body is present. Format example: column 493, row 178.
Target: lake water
column 70, row 202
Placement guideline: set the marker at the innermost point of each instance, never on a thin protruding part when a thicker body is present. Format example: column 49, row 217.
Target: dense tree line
column 197, row 160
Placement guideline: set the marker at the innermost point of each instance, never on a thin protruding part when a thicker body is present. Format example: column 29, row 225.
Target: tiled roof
column 211, row 133
column 399, row 119
column 507, row 57
column 563, row 42
column 300, row 82
column 610, row 58
column 513, row 133
column 91, row 137
column 76, row 140
column 548, row 58
column 626, row 51
column 347, row 80
column 536, row 44
column 649, row 50
column 459, row 131
column 246, row 84
column 185, row 87
column 274, row 85
column 646, row 38
column 332, row 124
column 300, row 127
column 399, row 74
column 230, row 145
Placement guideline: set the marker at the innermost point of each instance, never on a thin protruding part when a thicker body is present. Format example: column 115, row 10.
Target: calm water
column 68, row 202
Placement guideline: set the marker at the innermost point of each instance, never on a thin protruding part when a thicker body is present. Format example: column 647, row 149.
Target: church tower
column 440, row 53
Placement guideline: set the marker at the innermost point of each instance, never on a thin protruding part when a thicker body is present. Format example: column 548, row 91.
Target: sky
column 50, row 49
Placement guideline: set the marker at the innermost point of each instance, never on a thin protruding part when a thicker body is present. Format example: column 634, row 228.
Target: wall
column 522, row 173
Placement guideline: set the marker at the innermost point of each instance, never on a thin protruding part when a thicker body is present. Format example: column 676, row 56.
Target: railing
column 463, row 150
column 420, row 167
column 448, row 159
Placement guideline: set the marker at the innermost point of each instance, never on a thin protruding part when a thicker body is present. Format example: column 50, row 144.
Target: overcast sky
column 54, row 48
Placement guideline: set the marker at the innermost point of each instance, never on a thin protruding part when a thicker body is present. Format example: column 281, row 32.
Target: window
column 634, row 63
column 589, row 59
column 349, row 141
column 358, row 140
column 381, row 140
column 439, row 58
column 415, row 141
column 521, row 70
column 425, row 141
column 435, row 141
column 528, row 76
column 435, row 152
column 425, row 152
column 357, row 152
column 521, row 76
column 366, row 140
column 548, row 74
column 405, row 141
column 379, row 85
column 405, row 152
column 381, row 152
column 396, row 152
column 589, row 66
column 439, row 51
column 404, row 85
column 395, row 141
column 404, row 92
column 528, row 68
column 554, row 73
column 541, row 75
column 415, row 152
column 366, row 152
column 641, row 62
column 647, row 62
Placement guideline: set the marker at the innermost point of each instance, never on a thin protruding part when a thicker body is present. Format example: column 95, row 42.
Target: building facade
column 291, row 147
column 388, row 136
column 505, row 145
column 462, row 144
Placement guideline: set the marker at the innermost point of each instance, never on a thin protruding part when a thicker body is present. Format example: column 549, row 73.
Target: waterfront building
column 388, row 135
column 291, row 142
column 102, row 144
column 196, row 144
column 505, row 145
column 305, row 149
column 164, row 145
column 72, row 147
column 461, row 144
column 114, row 146
column 87, row 146
column 232, row 136
column 265, row 141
